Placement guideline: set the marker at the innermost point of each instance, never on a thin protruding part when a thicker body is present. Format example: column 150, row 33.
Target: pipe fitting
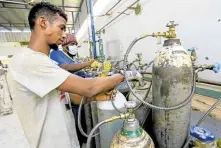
column 215, row 67
column 114, row 118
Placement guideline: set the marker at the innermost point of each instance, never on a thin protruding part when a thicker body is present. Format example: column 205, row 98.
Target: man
column 34, row 81
column 65, row 58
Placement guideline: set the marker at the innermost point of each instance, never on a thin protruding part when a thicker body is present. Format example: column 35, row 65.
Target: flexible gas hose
column 91, row 133
column 135, row 66
column 79, row 121
column 208, row 112
column 203, row 118
column 101, row 123
column 149, row 64
column 145, row 97
column 188, row 99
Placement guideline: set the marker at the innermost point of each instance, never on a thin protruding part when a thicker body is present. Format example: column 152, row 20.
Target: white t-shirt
column 33, row 78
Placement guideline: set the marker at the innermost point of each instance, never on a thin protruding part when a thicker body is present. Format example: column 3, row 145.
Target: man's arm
column 76, row 67
column 89, row 87
column 76, row 99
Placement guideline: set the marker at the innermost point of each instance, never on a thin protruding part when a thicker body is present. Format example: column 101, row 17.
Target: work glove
column 106, row 96
column 96, row 64
column 132, row 74
column 91, row 61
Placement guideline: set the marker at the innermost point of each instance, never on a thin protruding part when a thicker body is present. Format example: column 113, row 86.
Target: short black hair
column 44, row 8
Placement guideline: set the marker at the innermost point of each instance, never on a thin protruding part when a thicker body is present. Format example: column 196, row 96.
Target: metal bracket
column 137, row 9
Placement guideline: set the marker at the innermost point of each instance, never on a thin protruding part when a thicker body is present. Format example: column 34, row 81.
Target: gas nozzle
column 130, row 105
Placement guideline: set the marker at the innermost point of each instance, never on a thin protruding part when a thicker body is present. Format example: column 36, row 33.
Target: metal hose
column 146, row 95
column 208, row 112
column 135, row 66
column 202, row 119
column 129, row 49
column 149, row 64
column 138, row 106
column 79, row 121
column 91, row 133
column 112, row 119
column 188, row 99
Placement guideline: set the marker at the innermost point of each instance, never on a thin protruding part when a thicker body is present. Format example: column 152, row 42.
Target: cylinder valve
column 202, row 134
column 130, row 104
column 216, row 67
column 204, row 138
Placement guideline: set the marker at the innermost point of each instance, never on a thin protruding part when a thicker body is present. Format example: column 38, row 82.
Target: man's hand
column 131, row 74
column 90, row 87
column 76, row 99
column 91, row 61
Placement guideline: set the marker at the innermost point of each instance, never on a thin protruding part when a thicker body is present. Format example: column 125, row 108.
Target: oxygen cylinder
column 172, row 75
column 105, row 111
column 131, row 135
column 5, row 95
column 143, row 111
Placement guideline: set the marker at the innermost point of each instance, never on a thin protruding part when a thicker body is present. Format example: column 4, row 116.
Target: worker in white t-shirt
column 36, row 82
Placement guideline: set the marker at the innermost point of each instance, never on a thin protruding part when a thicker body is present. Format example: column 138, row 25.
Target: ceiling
column 14, row 13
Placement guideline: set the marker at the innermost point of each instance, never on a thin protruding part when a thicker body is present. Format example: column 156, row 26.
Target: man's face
column 55, row 31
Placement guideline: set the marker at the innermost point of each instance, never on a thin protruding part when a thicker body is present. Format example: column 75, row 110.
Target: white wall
column 198, row 27
column 15, row 36
column 10, row 44
column 9, row 48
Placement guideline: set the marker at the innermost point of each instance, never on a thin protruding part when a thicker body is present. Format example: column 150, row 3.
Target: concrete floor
column 12, row 135
column 11, row 132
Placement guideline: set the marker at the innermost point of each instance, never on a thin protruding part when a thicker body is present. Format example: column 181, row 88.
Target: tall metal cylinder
column 5, row 96
column 172, row 82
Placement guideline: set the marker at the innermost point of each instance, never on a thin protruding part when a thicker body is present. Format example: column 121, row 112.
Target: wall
column 82, row 16
column 14, row 36
column 10, row 44
column 198, row 27
column 9, row 48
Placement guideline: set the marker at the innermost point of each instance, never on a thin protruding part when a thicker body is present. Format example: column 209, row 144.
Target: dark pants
column 81, row 138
